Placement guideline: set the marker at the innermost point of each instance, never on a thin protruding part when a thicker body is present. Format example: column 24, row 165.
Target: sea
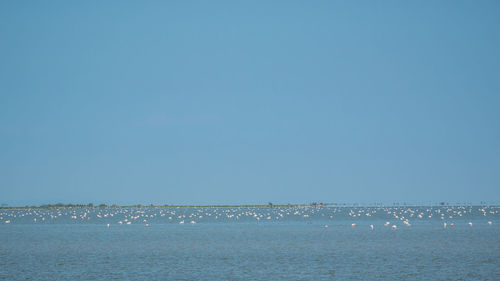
column 251, row 243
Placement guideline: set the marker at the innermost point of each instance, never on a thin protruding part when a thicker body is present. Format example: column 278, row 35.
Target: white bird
column 490, row 223
column 387, row 223
column 353, row 225
column 326, row 226
column 470, row 223
column 371, row 226
column 394, row 227
column 444, row 225
column 107, row 225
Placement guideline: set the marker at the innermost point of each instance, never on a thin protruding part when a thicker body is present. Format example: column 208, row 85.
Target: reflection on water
column 251, row 243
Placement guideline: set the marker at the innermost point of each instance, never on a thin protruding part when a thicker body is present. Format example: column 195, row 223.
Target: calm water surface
column 251, row 244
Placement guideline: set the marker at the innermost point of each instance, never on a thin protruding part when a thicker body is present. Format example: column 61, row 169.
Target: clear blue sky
column 214, row 102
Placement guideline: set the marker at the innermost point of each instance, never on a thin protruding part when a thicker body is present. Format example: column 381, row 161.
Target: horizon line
column 269, row 205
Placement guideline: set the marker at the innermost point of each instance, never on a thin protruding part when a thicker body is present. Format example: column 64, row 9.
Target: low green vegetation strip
column 91, row 206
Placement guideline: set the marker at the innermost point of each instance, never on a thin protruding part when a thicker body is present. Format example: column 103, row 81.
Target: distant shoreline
column 315, row 205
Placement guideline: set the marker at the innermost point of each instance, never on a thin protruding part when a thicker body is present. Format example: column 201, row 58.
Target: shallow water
column 232, row 244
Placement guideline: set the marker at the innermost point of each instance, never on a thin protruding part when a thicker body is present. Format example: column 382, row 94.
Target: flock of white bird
column 393, row 216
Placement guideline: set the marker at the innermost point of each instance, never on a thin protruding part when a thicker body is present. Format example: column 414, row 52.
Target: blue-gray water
column 251, row 244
